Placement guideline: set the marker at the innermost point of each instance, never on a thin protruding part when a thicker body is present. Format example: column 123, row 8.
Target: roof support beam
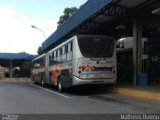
column 152, row 24
column 115, row 11
column 88, row 27
column 137, row 50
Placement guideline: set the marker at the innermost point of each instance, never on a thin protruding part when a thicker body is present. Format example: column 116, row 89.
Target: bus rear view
column 95, row 60
column 80, row 60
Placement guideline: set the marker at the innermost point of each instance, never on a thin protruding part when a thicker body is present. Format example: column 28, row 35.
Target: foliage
column 26, row 69
column 39, row 52
column 16, row 73
column 67, row 13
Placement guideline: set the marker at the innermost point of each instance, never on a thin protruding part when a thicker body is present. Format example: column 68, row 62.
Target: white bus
column 38, row 69
column 83, row 59
column 125, row 44
column 125, row 59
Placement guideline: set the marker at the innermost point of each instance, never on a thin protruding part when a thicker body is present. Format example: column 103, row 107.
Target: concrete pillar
column 11, row 69
column 137, row 49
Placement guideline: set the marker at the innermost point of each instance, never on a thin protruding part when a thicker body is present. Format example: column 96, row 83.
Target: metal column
column 137, row 49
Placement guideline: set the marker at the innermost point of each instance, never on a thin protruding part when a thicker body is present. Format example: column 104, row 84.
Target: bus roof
column 38, row 57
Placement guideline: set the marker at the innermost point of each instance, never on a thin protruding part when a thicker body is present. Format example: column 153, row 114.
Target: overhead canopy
column 98, row 16
column 16, row 58
column 84, row 13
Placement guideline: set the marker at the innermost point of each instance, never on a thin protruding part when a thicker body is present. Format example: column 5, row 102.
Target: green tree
column 26, row 69
column 39, row 51
column 67, row 13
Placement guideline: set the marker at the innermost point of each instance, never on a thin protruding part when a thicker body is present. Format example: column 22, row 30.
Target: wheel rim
column 59, row 86
column 42, row 83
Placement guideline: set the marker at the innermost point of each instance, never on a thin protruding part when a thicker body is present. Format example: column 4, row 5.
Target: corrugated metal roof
column 87, row 10
column 22, row 55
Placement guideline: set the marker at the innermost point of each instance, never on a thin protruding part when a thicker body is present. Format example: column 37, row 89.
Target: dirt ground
column 16, row 79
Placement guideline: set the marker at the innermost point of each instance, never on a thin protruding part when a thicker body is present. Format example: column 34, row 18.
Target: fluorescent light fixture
column 156, row 11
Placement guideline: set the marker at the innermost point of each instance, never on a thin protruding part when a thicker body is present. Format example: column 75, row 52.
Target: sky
column 17, row 16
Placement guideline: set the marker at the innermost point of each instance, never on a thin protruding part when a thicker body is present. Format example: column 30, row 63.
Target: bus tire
column 43, row 83
column 60, row 86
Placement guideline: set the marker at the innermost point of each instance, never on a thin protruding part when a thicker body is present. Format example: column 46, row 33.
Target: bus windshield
column 97, row 47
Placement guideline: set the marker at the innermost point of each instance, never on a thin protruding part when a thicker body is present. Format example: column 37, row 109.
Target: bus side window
column 43, row 60
column 40, row 62
column 37, row 64
column 63, row 53
column 69, row 47
column 69, row 52
column 33, row 64
column 55, row 57
column 50, row 58
column 59, row 53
